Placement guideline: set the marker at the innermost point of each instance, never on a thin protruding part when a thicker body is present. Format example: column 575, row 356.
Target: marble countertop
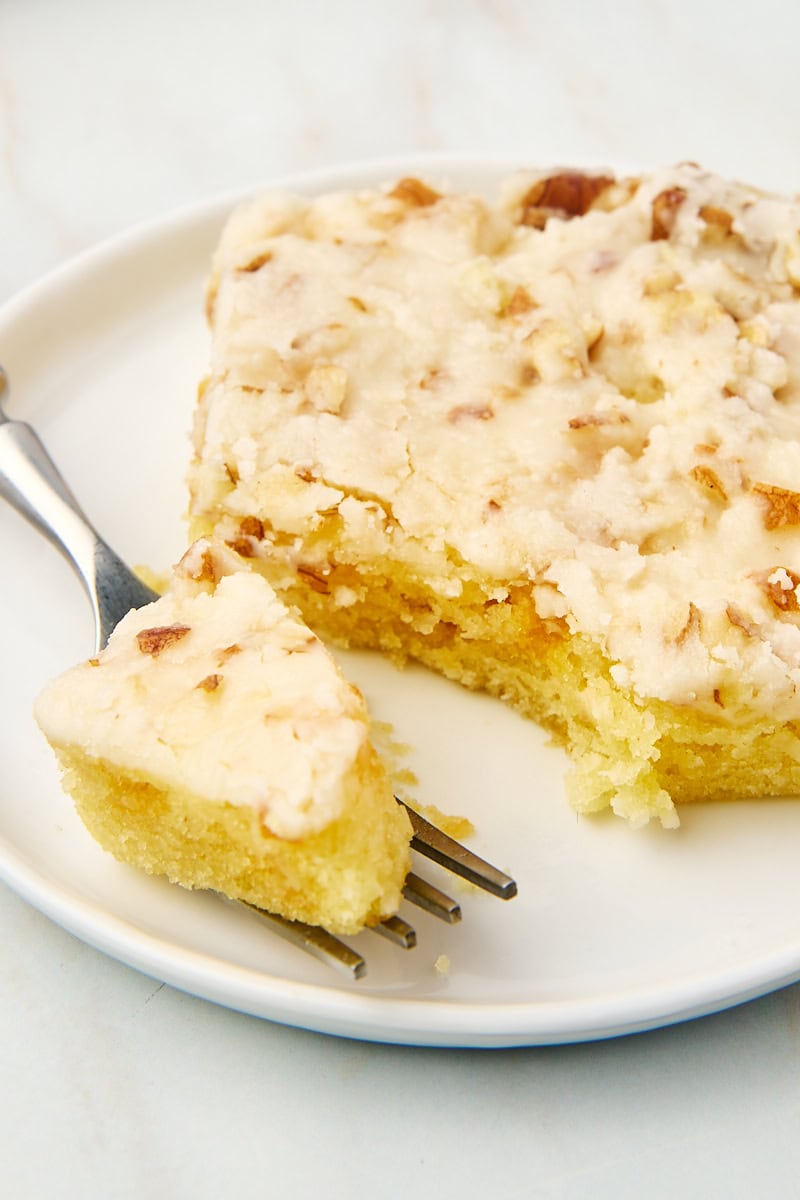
column 117, row 1086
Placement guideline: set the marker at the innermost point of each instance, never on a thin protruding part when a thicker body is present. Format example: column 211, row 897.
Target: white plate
column 613, row 931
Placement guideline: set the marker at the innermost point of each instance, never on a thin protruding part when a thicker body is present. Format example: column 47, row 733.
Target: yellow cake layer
column 638, row 757
column 347, row 876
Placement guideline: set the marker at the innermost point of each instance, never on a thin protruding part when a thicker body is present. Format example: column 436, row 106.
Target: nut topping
column 780, row 587
column 315, row 580
column 256, row 263
column 154, row 641
column 478, row 412
column 692, row 627
column 210, row 683
column 665, row 212
column 252, row 527
column 307, row 474
column 738, row 618
column 202, row 568
column 597, row 419
column 709, row 480
column 414, row 192
column 718, row 218
column 521, row 302
column 568, row 194
column 782, row 505
column 242, row 545
column 228, row 652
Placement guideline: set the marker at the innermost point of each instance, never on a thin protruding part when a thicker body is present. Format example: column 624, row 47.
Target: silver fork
column 31, row 483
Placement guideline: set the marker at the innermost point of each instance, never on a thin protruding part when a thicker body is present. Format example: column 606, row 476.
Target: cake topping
column 783, row 505
column 154, row 641
column 210, row 683
column 414, row 191
column 589, row 391
column 282, row 729
column 665, row 211
column 568, row 194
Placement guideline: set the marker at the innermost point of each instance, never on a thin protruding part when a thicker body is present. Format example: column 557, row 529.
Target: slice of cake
column 549, row 446
column 215, row 741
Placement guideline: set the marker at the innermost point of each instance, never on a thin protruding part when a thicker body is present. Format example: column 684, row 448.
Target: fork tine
column 418, row 891
column 449, row 853
column 398, row 931
column 315, row 941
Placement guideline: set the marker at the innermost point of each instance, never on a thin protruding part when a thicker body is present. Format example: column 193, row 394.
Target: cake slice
column 215, row 741
column 548, row 445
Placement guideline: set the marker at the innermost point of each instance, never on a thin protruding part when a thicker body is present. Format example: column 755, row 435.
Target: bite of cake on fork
column 212, row 738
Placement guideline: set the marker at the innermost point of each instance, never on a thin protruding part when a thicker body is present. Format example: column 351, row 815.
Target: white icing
column 617, row 423
column 278, row 732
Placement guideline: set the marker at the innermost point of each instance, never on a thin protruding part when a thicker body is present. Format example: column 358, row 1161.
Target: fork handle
column 32, row 483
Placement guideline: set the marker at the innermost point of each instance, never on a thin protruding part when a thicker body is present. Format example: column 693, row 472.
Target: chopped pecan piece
column 415, row 192
column 202, row 570
column 242, row 546
column 210, row 683
column 315, row 580
column 521, row 302
column 780, row 587
column 738, row 618
column 709, row 480
column 154, row 641
column 665, row 211
column 782, row 505
column 719, row 218
column 567, row 194
column 228, row 652
column 307, row 474
column 692, row 626
column 256, row 263
column 596, row 420
column 528, row 375
column 252, row 527
column 478, row 412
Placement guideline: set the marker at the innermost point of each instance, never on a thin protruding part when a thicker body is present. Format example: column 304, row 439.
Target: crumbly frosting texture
column 219, row 690
column 590, row 387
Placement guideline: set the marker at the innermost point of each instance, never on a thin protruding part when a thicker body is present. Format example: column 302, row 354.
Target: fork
column 31, row 482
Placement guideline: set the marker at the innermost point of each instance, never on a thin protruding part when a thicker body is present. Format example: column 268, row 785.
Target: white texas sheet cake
column 548, row 445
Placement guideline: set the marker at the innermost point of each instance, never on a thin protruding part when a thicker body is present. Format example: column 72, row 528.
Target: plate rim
column 370, row 1017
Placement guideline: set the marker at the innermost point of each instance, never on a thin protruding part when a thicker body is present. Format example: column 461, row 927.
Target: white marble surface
column 111, row 113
